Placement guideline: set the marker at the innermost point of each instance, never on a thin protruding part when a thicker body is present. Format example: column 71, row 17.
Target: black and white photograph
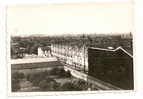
column 70, row 47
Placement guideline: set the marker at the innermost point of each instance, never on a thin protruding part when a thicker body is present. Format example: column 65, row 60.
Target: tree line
column 29, row 45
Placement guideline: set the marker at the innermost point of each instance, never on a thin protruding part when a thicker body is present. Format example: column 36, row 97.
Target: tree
column 15, row 85
column 16, row 80
column 69, row 87
column 49, row 84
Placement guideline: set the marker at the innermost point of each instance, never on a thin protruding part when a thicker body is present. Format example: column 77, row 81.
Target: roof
column 45, row 48
column 114, row 50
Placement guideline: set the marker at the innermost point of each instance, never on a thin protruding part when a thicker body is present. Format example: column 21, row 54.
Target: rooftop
column 114, row 50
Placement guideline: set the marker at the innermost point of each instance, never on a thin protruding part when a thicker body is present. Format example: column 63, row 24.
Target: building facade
column 114, row 66
column 44, row 51
column 71, row 55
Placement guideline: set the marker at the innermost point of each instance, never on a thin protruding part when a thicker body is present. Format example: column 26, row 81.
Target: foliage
column 81, row 84
column 55, row 71
column 49, row 84
column 45, row 81
column 30, row 45
column 35, row 78
column 75, row 85
column 16, row 76
column 95, row 40
column 60, row 72
column 70, row 87
column 15, row 85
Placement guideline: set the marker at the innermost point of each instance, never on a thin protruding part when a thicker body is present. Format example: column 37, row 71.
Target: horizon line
column 38, row 34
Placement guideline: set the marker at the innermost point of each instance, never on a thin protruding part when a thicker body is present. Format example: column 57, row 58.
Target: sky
column 56, row 19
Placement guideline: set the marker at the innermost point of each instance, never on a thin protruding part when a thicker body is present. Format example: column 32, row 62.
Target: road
column 35, row 63
column 33, row 60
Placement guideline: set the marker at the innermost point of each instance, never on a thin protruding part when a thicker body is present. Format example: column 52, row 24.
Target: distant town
column 82, row 62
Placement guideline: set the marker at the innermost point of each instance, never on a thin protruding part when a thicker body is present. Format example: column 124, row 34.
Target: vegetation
column 16, row 77
column 48, row 81
column 49, row 84
column 70, row 87
column 29, row 45
column 15, row 85
column 60, row 72
column 76, row 85
column 35, row 78
column 45, row 82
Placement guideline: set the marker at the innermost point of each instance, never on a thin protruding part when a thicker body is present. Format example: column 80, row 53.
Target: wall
column 72, row 55
column 115, row 67
column 100, row 85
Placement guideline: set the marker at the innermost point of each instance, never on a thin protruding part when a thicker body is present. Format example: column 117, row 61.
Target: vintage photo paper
column 70, row 48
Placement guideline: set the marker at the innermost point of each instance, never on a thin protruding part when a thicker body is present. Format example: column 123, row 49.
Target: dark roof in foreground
column 113, row 50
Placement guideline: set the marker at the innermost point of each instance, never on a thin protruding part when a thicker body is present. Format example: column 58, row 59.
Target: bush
column 68, row 74
column 49, row 84
column 60, row 72
column 46, row 83
column 81, row 84
column 55, row 71
column 70, row 87
column 15, row 85
column 64, row 73
column 17, row 75
column 37, row 77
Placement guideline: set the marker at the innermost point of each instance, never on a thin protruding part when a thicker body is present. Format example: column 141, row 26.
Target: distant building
column 44, row 51
column 129, row 36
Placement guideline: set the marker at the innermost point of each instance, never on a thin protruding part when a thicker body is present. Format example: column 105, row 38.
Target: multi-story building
column 113, row 66
column 110, row 65
column 71, row 55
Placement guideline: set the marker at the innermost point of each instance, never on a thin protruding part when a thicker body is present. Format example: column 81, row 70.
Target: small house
column 44, row 51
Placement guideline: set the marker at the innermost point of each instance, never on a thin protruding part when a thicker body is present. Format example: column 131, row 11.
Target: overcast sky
column 50, row 19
